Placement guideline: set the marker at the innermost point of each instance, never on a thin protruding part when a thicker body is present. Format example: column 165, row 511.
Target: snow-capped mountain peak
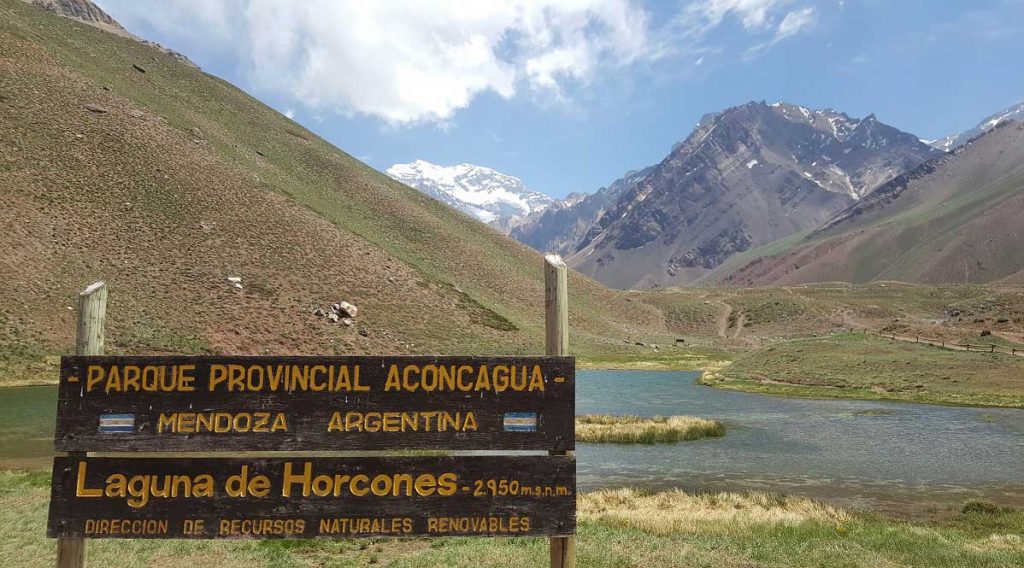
column 488, row 195
column 950, row 143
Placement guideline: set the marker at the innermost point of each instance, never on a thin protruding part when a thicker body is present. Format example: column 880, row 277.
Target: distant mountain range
column 488, row 195
column 562, row 226
column 745, row 177
column 749, row 186
column 958, row 218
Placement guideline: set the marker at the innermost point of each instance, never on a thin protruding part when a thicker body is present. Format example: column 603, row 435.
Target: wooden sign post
column 556, row 343
column 89, row 336
column 311, row 405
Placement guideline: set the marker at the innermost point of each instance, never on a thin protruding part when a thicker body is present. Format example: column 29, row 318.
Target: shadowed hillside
column 119, row 162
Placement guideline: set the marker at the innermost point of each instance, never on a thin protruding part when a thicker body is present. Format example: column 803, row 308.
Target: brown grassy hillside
column 175, row 180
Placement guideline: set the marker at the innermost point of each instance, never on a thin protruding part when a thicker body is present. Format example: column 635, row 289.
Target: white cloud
column 289, row 112
column 794, row 23
column 756, row 16
column 707, row 14
column 410, row 61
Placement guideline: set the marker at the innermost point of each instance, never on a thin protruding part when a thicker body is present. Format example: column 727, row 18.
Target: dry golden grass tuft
column 999, row 542
column 678, row 511
column 602, row 428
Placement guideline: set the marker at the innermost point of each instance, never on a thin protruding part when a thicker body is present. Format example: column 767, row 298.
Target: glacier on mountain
column 486, row 194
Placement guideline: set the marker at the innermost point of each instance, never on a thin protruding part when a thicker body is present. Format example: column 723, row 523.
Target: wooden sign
column 314, row 404
column 111, row 403
column 312, row 497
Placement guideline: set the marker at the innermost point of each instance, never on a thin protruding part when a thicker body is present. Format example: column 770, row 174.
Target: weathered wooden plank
column 89, row 340
column 562, row 549
column 556, row 306
column 184, row 403
column 305, row 497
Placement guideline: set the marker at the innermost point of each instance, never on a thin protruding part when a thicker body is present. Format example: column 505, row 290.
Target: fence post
column 556, row 340
column 89, row 335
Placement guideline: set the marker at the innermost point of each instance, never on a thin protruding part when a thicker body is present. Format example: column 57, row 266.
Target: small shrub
column 980, row 506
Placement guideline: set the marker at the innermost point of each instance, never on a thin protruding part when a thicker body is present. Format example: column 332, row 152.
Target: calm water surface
column 870, row 454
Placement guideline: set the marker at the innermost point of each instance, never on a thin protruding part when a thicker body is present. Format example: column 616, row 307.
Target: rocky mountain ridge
column 561, row 227
column 84, row 11
column 87, row 12
column 956, row 218
column 954, row 141
column 746, row 176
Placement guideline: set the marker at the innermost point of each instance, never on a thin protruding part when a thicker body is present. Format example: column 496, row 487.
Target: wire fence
column 955, row 346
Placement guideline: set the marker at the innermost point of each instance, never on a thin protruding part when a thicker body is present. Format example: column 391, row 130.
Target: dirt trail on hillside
column 741, row 320
column 723, row 320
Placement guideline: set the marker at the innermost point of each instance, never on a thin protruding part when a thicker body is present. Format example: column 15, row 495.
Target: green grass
column 617, row 529
column 855, row 365
column 607, row 429
column 150, row 337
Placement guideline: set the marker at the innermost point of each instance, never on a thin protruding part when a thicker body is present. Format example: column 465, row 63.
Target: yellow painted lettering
column 94, row 374
column 80, row 489
column 393, row 383
column 537, row 379
column 218, row 374
column 335, row 424
column 289, row 478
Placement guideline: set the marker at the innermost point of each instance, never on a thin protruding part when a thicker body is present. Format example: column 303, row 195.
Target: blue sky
column 570, row 95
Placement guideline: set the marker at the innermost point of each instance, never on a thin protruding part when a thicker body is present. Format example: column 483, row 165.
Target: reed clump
column 603, row 428
column 679, row 511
